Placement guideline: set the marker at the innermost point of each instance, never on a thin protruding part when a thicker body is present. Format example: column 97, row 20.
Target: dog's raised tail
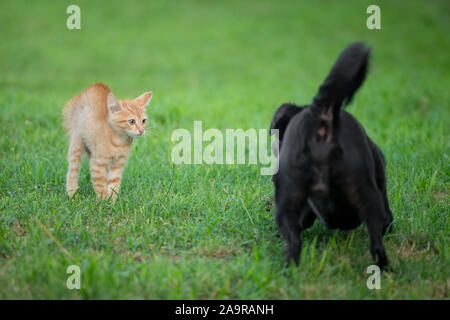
column 344, row 79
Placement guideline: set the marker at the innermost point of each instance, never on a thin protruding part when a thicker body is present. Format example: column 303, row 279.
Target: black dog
column 328, row 167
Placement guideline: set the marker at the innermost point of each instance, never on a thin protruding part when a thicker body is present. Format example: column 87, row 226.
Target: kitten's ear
column 144, row 99
column 113, row 103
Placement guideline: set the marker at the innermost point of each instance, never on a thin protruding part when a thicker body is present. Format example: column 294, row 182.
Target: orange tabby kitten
column 104, row 127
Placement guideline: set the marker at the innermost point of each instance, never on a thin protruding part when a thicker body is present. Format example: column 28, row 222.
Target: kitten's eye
column 144, row 120
column 132, row 121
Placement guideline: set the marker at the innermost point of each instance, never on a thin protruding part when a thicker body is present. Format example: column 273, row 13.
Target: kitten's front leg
column 99, row 167
column 75, row 151
column 115, row 176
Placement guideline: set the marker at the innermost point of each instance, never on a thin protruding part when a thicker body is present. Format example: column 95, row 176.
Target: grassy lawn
column 207, row 231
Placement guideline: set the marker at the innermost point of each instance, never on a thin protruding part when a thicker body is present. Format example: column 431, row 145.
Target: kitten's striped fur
column 104, row 128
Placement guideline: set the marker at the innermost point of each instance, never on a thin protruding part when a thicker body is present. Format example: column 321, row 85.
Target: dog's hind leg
column 288, row 224
column 372, row 212
column 376, row 229
column 380, row 175
column 293, row 216
column 306, row 218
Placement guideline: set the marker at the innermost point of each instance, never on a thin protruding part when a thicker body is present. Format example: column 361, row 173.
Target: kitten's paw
column 71, row 192
column 102, row 196
column 112, row 195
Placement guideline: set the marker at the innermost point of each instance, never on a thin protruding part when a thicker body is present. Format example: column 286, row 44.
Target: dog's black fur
column 328, row 167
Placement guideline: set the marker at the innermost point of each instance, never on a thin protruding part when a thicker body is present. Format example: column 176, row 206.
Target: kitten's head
column 128, row 116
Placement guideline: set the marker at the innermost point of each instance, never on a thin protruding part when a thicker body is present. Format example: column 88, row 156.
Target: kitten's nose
column 141, row 131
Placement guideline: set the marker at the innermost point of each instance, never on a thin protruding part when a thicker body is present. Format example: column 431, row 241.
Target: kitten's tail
column 344, row 79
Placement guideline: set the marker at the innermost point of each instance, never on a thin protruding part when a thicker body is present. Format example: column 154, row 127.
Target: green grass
column 203, row 231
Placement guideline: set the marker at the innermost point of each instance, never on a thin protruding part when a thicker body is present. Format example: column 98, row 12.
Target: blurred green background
column 207, row 231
